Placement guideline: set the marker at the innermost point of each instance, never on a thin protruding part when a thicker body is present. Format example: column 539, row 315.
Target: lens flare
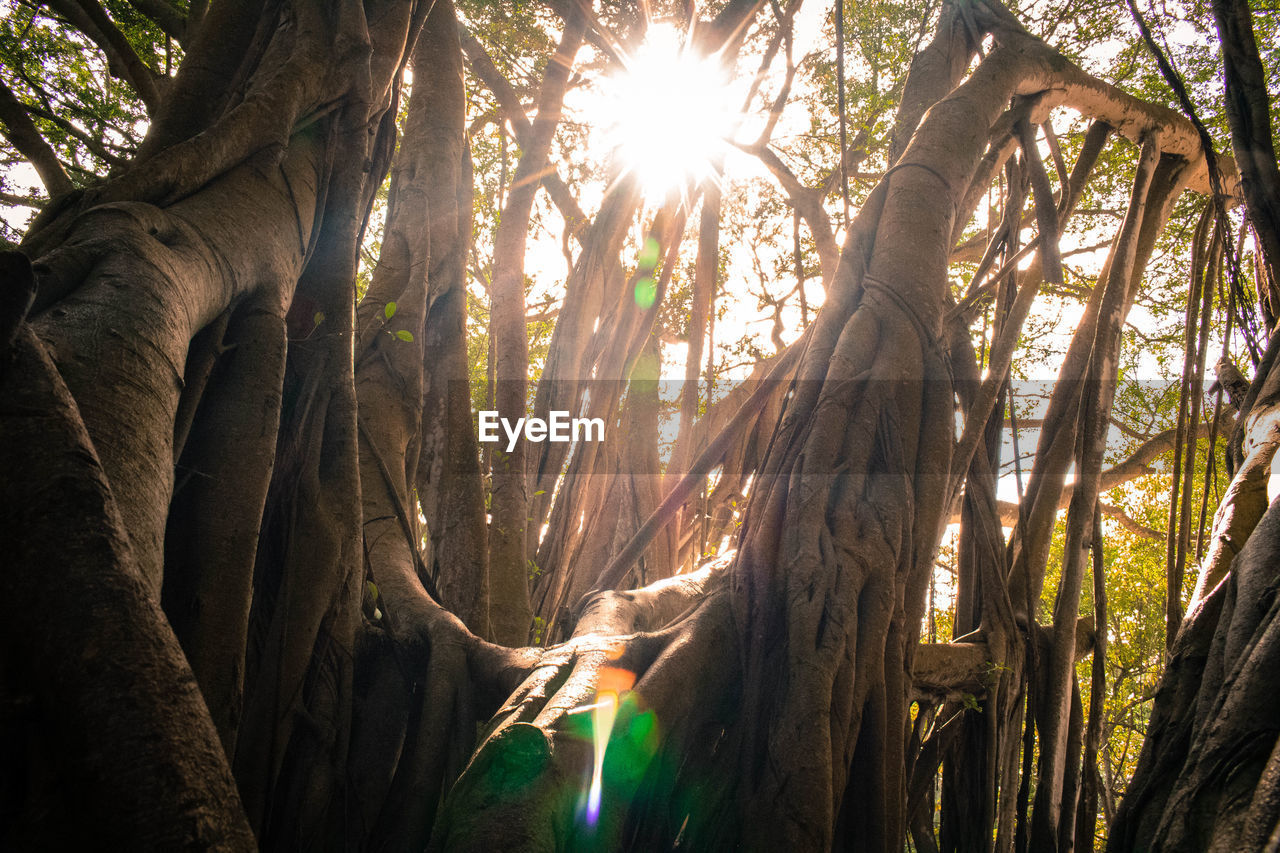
column 667, row 113
column 614, row 681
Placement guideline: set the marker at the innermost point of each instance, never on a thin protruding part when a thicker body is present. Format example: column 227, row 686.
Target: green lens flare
column 649, row 254
column 646, row 293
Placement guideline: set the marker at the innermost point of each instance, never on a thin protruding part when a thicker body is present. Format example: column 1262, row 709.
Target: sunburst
column 667, row 114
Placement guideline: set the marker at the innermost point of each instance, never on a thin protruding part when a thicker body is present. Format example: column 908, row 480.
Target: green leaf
column 405, row 335
column 389, row 309
column 319, row 318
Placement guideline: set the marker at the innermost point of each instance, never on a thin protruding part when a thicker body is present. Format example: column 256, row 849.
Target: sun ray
column 667, row 113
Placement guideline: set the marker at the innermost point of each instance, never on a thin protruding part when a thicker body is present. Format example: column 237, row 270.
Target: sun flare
column 668, row 115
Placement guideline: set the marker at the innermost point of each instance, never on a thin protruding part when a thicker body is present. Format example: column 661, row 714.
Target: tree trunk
column 237, row 228
column 510, row 613
column 106, row 734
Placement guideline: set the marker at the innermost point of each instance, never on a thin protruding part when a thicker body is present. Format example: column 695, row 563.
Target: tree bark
column 85, row 631
column 509, row 612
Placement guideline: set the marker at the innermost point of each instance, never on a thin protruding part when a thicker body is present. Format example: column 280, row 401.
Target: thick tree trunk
column 1202, row 780
column 168, row 297
column 448, row 473
column 1205, row 780
column 1207, row 775
column 426, row 706
column 107, row 740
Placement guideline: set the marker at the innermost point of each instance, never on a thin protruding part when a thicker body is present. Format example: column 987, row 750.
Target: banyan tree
column 263, row 587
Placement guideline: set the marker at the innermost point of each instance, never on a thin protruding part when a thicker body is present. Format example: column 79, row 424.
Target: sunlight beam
column 667, row 113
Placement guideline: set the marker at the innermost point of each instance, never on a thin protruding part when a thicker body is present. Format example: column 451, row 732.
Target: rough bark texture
column 93, row 770
column 165, row 297
column 822, row 599
column 448, row 474
column 1202, row 780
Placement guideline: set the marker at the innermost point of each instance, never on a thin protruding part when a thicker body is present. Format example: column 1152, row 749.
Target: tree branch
column 92, row 144
column 597, row 33
column 25, row 136
column 122, row 61
column 21, row 200
column 1133, row 467
column 168, row 17
column 509, row 103
column 965, row 668
column 853, row 156
column 808, row 202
